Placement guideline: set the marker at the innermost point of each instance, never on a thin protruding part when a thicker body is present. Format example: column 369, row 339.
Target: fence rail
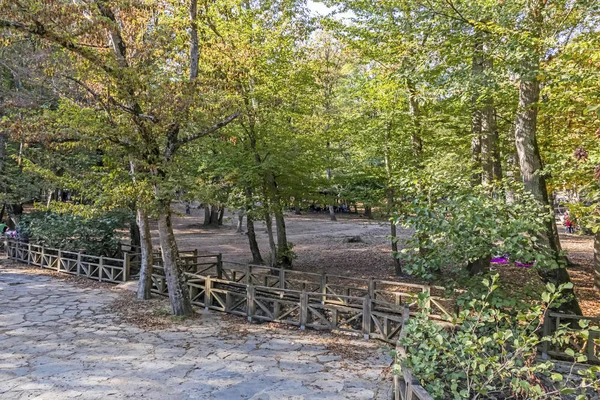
column 553, row 321
column 103, row 269
column 406, row 386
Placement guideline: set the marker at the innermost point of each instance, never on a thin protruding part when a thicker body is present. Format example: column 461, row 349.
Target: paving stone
column 60, row 341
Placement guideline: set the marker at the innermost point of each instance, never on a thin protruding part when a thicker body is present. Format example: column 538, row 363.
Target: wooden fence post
column 78, row 263
column 207, row 292
column 100, row 268
column 546, row 332
column 250, row 300
column 126, row 266
column 323, row 285
column 372, row 288
column 219, row 265
column 427, row 290
column 59, row 260
column 28, row 253
column 367, row 317
column 247, row 273
column 43, row 255
column 303, row 310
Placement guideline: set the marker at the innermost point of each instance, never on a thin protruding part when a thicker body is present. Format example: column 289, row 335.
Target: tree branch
column 209, row 130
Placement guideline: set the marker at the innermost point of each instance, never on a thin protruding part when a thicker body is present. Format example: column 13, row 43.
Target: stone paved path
column 59, row 341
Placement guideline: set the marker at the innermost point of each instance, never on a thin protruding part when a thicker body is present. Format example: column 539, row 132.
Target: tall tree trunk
column 597, row 261
column 284, row 260
column 476, row 114
column 15, row 210
column 390, row 198
column 221, row 214
column 256, row 256
column 490, row 160
column 368, row 212
column 206, row 214
column 254, row 249
column 240, row 221
column 194, row 53
column 145, row 282
column 178, row 290
column 488, row 129
column 134, row 234
column 415, row 113
column 2, row 212
column 331, row 208
column 214, row 215
column 332, row 213
column 531, row 164
column 272, row 245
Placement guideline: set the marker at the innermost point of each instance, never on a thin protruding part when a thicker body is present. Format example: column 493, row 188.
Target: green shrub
column 66, row 231
column 455, row 223
column 490, row 352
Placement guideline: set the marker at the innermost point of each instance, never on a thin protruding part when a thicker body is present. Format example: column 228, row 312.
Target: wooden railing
column 553, row 321
column 406, row 386
column 304, row 309
column 370, row 307
column 103, row 269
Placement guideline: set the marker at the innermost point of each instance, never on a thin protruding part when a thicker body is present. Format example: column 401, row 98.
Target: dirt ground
column 321, row 245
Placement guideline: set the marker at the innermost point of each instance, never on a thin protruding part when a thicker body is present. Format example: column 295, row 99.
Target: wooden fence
column 406, row 386
column 553, row 321
column 370, row 307
column 247, row 296
column 103, row 269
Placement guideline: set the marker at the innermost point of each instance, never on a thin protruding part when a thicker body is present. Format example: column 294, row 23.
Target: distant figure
column 3, row 228
column 188, row 211
column 568, row 224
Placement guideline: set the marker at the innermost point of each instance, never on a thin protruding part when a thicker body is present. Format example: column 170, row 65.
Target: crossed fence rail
column 103, row 269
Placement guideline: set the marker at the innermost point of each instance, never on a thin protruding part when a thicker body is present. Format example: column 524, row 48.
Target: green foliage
column 95, row 234
column 490, row 352
column 455, row 223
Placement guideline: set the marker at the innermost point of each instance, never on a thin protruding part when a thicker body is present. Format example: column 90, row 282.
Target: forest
column 469, row 123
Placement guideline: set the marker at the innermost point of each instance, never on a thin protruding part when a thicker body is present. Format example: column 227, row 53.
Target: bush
column 66, row 231
column 490, row 352
column 455, row 223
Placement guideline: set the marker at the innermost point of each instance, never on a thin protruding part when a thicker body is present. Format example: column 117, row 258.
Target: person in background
column 568, row 224
column 3, row 228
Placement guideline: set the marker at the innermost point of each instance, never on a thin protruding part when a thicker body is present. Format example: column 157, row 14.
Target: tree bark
column 597, row 261
column 134, row 234
column 206, row 214
column 240, row 221
column 368, row 212
column 178, row 290
column 145, row 282
column 15, row 210
column 531, row 164
column 390, row 198
column 332, row 213
column 214, row 215
column 220, row 214
column 476, row 115
column 194, row 53
column 488, row 128
column 415, row 113
column 272, row 245
column 284, row 260
column 254, row 249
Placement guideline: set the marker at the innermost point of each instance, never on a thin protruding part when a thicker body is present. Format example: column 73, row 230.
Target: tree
column 132, row 83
